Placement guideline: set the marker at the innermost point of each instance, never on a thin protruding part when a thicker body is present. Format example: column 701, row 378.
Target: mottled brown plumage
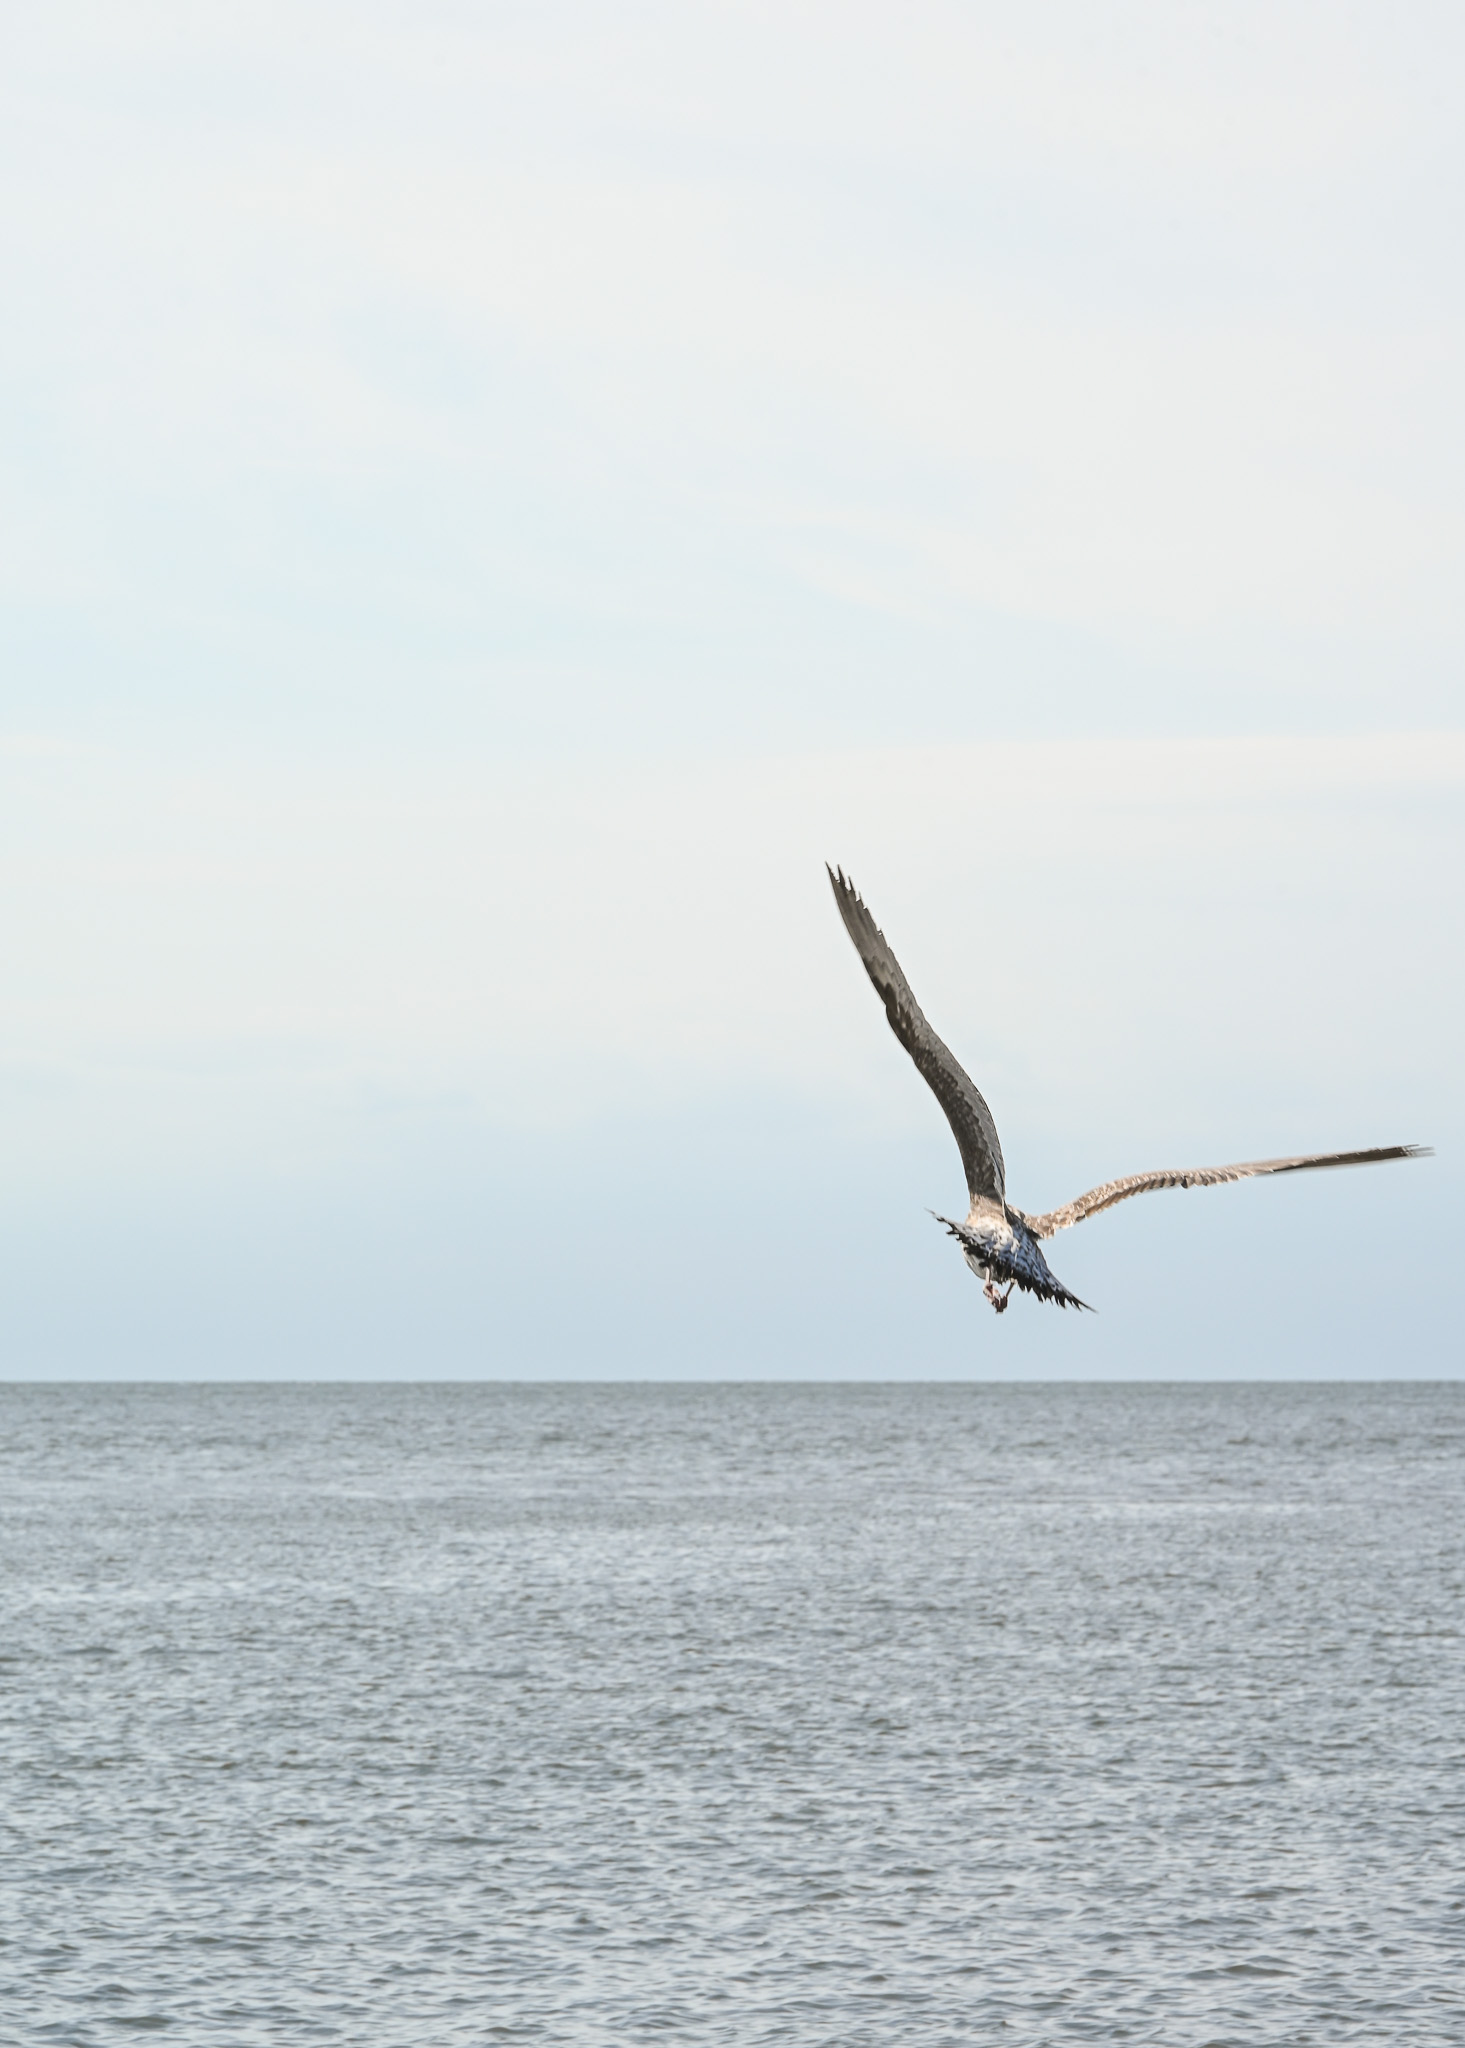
column 1111, row 1191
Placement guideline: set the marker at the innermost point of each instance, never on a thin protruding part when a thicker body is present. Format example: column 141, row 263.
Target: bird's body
column 1001, row 1244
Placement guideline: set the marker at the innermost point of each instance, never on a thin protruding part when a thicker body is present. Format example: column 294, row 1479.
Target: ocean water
column 839, row 1715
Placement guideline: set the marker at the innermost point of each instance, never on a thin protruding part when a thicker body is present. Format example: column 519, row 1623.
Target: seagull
column 998, row 1242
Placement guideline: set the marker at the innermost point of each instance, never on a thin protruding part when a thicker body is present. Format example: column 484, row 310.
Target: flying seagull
column 1000, row 1243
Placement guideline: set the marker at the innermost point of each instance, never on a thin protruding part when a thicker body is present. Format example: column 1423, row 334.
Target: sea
column 745, row 1714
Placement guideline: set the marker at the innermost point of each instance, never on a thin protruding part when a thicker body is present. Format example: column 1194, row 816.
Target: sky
column 493, row 497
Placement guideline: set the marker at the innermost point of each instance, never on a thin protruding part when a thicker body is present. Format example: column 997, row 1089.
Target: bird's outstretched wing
column 1114, row 1191
column 966, row 1112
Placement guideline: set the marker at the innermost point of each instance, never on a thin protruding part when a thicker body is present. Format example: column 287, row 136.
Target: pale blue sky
column 493, row 496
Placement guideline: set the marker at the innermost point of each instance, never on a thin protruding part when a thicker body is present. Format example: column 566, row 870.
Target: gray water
column 438, row 1715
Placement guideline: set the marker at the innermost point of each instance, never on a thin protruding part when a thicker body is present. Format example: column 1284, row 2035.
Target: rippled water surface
column 438, row 1715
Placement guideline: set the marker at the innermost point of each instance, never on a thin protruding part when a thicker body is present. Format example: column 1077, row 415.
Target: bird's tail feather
column 1019, row 1261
